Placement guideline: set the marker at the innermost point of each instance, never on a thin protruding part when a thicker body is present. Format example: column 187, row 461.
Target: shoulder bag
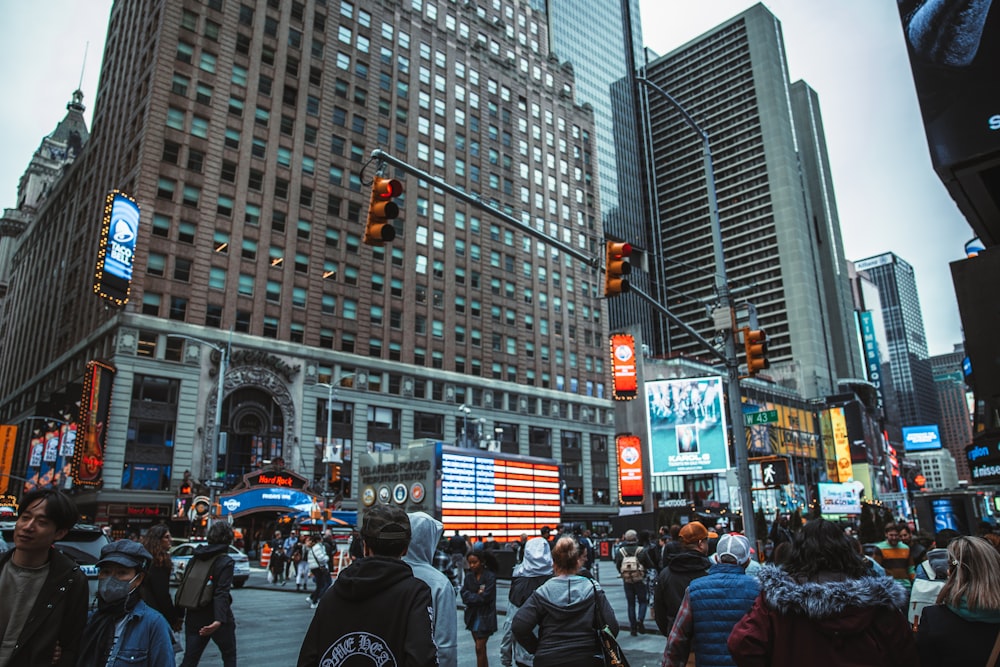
column 611, row 652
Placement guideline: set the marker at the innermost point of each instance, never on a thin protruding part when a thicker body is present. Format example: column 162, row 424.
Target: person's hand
column 207, row 630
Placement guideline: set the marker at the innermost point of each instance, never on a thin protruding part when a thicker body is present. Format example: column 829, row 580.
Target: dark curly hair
column 153, row 541
column 821, row 546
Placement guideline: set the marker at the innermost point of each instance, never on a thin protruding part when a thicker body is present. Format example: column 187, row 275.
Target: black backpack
column 195, row 590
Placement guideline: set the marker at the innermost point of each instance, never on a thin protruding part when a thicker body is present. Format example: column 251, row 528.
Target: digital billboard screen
column 921, row 438
column 630, row 482
column 687, row 426
column 116, row 253
column 482, row 493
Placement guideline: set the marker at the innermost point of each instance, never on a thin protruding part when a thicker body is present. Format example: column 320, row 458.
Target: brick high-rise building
column 243, row 130
column 953, row 406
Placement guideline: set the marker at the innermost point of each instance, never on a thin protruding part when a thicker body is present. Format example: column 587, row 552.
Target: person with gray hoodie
column 426, row 533
column 534, row 570
column 562, row 610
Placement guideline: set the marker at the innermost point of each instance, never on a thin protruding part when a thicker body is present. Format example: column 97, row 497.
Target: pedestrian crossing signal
column 774, row 473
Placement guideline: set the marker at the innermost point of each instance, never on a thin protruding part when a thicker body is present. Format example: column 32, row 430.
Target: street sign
column 761, row 417
column 214, row 483
column 893, row 497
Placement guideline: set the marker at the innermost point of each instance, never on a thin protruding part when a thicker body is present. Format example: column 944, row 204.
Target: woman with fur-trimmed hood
column 824, row 608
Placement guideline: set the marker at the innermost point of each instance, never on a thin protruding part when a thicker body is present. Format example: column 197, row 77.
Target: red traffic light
column 616, row 267
column 382, row 210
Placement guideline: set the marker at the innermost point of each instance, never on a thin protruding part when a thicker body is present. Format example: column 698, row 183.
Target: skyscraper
column 953, row 406
column 780, row 231
column 243, row 130
column 915, row 400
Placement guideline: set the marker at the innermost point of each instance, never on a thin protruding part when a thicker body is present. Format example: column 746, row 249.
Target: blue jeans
column 636, row 592
column 194, row 644
column 323, row 581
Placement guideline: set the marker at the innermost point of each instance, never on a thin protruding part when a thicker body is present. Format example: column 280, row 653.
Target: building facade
column 779, row 227
column 955, row 422
column 243, row 130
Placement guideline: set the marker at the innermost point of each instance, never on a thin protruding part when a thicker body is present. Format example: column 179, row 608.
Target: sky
column 850, row 51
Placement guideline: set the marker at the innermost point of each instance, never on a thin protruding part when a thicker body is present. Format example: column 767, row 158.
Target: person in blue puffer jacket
column 711, row 607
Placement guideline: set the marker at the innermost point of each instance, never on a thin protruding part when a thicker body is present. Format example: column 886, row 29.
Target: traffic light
column 383, row 211
column 616, row 267
column 755, row 344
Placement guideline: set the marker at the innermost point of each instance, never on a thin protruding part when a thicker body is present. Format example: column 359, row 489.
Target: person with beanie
column 534, row 570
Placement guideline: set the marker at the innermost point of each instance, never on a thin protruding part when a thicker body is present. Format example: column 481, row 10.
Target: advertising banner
column 921, row 438
column 88, row 457
column 630, row 482
column 687, row 426
column 8, row 440
column 116, row 252
column 625, row 384
column 840, row 498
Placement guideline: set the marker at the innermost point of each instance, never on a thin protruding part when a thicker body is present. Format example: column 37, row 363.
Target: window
column 232, row 138
column 245, row 285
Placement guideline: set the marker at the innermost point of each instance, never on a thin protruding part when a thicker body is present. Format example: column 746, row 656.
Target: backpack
column 923, row 593
column 632, row 570
column 195, row 590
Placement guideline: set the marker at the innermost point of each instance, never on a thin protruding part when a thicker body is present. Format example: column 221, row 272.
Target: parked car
column 181, row 554
column 82, row 543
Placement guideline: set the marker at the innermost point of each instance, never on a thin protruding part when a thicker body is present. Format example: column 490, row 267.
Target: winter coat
column 830, row 621
column 480, row 605
column 672, row 582
column 956, row 636
column 221, row 608
column 425, row 534
column 563, row 611
column 718, row 601
column 155, row 591
column 376, row 609
column 533, row 571
column 57, row 615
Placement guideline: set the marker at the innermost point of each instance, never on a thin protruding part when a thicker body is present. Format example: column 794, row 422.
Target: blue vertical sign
column 116, row 254
column 873, row 365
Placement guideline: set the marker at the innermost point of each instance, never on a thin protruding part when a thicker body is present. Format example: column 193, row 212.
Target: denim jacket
column 145, row 641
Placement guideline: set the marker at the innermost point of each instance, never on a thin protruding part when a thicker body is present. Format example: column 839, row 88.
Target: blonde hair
column 973, row 575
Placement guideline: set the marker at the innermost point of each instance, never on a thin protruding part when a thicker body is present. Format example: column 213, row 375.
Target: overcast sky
column 850, row 51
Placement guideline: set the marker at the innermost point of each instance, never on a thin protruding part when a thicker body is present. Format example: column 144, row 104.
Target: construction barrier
column 265, row 555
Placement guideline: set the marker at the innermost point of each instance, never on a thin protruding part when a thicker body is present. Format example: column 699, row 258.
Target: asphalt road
column 271, row 621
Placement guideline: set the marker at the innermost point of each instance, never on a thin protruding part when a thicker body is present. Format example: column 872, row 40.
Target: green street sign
column 762, row 417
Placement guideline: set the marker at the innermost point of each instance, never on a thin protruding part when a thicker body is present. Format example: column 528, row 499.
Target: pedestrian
column 711, row 607
column 479, row 593
column 824, row 607
column 301, row 563
column 214, row 621
column 276, row 566
column 124, row 630
column 671, row 545
column 155, row 588
column 931, row 575
column 556, row 623
column 683, row 568
column 425, row 534
column 629, row 562
column 377, row 609
column 287, row 546
column 534, row 570
column 43, row 593
column 458, row 549
column 893, row 554
column 319, row 568
column 963, row 628
column 915, row 542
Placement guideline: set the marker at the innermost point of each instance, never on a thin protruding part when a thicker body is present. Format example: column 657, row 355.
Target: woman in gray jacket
column 562, row 610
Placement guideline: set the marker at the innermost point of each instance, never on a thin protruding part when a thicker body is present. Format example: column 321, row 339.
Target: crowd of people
column 817, row 599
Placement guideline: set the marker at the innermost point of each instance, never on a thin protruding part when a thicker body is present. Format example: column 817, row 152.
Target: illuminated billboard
column 840, row 498
column 88, row 455
column 629, row 469
column 624, row 375
column 836, row 445
column 921, row 438
column 116, row 253
column 687, row 426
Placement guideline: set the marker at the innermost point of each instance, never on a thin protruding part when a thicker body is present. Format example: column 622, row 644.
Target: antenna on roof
column 84, row 65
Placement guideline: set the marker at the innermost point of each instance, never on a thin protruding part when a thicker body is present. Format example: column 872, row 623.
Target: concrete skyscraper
column 243, row 130
column 780, row 230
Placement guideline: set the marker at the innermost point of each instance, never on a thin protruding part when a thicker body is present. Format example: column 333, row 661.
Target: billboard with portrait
column 687, row 426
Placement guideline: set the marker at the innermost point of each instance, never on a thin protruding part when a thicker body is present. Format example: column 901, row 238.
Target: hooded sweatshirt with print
column 426, row 533
column 534, row 570
column 562, row 609
column 376, row 612
column 950, row 635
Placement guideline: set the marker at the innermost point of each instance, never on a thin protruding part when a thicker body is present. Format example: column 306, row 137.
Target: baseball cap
column 695, row 532
column 126, row 553
column 384, row 523
column 733, row 545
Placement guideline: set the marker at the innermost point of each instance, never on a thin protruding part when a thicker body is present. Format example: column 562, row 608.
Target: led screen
column 485, row 494
column 116, row 254
column 629, row 469
column 921, row 438
column 687, row 426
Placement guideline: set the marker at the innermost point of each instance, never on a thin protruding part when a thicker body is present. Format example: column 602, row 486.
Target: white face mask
column 112, row 589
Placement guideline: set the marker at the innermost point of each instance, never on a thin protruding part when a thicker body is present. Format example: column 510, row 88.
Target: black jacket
column 947, row 636
column 57, row 615
column 376, row 612
column 672, row 582
column 155, row 591
column 221, row 608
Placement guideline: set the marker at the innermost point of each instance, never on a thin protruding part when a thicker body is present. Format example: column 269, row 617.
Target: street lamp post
column 465, row 410
column 217, row 441
column 335, row 457
column 728, row 319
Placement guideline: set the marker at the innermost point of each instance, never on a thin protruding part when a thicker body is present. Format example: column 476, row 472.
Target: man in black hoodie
column 683, row 568
column 376, row 612
column 214, row 621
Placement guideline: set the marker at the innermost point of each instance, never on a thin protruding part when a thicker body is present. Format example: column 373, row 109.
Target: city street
column 271, row 622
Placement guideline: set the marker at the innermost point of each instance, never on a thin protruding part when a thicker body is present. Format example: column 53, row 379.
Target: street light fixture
column 465, row 410
column 218, row 443
column 331, row 455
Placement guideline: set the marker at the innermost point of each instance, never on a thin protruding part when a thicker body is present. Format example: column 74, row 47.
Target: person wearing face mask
column 124, row 630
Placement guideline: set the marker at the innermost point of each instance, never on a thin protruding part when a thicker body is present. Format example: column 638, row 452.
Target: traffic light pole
column 733, row 393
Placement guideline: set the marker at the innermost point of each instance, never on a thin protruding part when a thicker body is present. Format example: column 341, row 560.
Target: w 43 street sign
column 762, row 417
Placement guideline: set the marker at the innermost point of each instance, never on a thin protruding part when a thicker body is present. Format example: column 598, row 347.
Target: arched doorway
column 254, row 423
